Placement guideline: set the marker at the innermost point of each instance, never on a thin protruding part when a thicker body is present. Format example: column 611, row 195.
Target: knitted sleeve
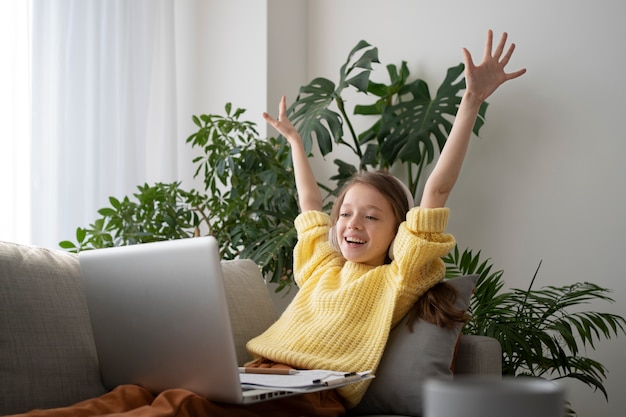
column 312, row 250
column 420, row 243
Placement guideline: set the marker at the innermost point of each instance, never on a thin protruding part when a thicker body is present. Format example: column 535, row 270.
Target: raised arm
column 309, row 195
column 481, row 82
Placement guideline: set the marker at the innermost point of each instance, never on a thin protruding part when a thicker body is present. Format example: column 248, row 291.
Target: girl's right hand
column 309, row 195
column 283, row 125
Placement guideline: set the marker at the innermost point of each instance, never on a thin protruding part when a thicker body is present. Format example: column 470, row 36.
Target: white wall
column 224, row 44
column 545, row 180
column 236, row 52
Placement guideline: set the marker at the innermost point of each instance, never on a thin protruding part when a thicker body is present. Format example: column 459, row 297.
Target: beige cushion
column 47, row 355
column 46, row 344
column 249, row 303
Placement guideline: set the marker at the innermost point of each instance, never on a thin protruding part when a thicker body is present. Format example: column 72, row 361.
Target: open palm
column 484, row 79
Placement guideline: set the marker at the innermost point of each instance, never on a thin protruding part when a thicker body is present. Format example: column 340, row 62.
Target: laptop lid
column 160, row 318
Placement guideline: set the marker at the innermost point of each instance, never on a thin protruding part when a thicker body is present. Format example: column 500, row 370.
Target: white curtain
column 113, row 85
column 104, row 107
column 14, row 121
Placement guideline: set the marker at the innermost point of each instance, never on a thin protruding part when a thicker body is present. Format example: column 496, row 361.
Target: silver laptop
column 160, row 319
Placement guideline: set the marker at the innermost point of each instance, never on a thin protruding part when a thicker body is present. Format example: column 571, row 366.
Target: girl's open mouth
column 354, row 240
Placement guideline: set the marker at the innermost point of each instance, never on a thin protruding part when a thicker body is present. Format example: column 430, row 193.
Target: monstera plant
column 408, row 126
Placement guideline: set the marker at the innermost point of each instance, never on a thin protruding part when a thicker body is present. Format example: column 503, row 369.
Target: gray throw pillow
column 411, row 358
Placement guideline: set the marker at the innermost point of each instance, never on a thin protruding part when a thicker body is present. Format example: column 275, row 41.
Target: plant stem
column 414, row 182
column 532, row 281
column 357, row 148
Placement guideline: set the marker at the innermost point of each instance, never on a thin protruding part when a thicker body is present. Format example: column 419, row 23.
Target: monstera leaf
column 310, row 112
column 410, row 127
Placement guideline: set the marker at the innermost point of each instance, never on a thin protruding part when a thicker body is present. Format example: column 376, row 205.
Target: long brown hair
column 436, row 306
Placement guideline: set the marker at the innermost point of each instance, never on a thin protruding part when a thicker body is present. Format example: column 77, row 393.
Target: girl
column 350, row 293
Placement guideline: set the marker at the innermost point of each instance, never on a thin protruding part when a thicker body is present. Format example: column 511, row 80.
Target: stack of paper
column 302, row 380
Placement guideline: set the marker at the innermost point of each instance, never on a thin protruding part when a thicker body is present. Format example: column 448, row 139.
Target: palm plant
column 542, row 332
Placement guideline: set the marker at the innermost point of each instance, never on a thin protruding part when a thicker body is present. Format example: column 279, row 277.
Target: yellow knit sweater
column 341, row 317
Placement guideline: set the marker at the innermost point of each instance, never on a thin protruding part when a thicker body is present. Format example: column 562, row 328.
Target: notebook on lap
column 160, row 320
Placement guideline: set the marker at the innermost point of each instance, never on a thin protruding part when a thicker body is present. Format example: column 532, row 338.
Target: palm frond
column 539, row 333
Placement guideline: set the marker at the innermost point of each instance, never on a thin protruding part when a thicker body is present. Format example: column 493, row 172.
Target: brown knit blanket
column 135, row 401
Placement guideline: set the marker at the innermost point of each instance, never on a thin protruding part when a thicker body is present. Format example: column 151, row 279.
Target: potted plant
column 409, row 126
column 543, row 331
column 248, row 202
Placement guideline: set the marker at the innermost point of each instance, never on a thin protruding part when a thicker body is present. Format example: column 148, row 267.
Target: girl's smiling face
column 366, row 225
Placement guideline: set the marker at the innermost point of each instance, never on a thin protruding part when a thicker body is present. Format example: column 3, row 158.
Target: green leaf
column 310, row 112
column 81, row 234
column 115, row 202
column 66, row 244
column 107, row 212
column 360, row 81
column 410, row 127
column 345, row 171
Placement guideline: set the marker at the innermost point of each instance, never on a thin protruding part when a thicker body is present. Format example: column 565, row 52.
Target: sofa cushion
column 46, row 344
column 478, row 355
column 411, row 358
column 250, row 306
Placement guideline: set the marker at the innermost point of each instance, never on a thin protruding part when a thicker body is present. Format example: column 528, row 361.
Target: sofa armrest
column 478, row 355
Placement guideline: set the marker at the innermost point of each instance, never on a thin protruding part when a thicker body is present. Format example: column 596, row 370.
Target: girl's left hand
column 484, row 79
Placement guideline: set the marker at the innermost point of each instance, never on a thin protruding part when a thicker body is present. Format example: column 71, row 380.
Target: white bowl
column 493, row 397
